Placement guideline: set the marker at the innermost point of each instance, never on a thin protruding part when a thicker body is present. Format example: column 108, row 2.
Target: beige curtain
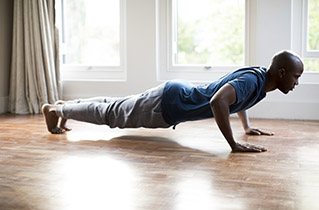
column 35, row 74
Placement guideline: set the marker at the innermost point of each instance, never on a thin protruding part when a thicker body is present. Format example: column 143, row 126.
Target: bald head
column 286, row 60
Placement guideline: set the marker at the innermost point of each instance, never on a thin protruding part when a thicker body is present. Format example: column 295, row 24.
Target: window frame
column 299, row 33
column 93, row 72
column 166, row 69
column 305, row 52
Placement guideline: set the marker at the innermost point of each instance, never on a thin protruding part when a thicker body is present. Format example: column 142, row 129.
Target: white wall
column 273, row 33
column 272, row 27
column 6, row 13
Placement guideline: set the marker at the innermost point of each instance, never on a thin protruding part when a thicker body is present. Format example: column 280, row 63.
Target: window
column 196, row 43
column 305, row 35
column 311, row 35
column 93, row 45
column 211, row 35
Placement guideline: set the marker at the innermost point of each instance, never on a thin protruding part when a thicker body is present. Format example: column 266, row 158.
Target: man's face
column 290, row 79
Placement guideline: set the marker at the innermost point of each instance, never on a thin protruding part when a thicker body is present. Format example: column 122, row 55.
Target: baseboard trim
column 285, row 110
column 4, row 104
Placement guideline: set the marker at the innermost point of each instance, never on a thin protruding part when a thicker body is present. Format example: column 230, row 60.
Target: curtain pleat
column 35, row 73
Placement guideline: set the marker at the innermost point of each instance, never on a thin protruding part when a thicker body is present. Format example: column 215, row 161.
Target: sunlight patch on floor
column 95, row 183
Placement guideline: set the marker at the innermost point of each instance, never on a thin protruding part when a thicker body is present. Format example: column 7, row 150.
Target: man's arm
column 220, row 103
column 243, row 116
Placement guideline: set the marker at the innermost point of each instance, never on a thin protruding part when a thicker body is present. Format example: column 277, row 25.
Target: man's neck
column 270, row 82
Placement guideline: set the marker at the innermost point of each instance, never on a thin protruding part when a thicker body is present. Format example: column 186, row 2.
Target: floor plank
column 95, row 167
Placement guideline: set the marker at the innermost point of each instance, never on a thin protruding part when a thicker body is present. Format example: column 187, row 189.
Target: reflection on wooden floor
column 94, row 167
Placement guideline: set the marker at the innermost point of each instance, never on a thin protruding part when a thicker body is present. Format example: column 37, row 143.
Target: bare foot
column 62, row 120
column 62, row 124
column 51, row 119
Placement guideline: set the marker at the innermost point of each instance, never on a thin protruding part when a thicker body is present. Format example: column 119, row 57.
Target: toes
column 66, row 128
column 62, row 124
column 56, row 130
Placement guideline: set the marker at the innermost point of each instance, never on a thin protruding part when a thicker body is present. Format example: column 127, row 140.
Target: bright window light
column 209, row 32
column 312, row 64
column 313, row 25
column 91, row 32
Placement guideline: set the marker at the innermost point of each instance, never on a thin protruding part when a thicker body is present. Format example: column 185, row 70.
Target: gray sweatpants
column 142, row 110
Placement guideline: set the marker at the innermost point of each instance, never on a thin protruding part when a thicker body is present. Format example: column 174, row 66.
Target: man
column 178, row 101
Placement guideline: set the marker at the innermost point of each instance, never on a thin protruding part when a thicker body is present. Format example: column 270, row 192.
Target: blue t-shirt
column 182, row 101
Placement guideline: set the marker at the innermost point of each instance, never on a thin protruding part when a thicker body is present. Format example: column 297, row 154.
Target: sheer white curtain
column 35, row 73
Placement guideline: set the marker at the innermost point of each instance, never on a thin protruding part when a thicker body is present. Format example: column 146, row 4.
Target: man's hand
column 243, row 116
column 256, row 131
column 245, row 147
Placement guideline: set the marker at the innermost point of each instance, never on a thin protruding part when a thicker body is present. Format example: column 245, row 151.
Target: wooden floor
column 94, row 167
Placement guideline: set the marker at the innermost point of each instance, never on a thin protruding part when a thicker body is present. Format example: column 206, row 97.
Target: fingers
column 254, row 148
column 258, row 132
column 254, row 132
column 249, row 148
column 258, row 148
column 266, row 133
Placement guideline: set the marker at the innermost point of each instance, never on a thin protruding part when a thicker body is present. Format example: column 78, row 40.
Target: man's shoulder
column 258, row 70
column 254, row 73
column 249, row 77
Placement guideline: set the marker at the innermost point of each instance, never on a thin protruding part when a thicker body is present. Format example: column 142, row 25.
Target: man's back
column 183, row 101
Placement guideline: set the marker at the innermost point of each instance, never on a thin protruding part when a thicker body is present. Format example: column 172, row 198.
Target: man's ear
column 281, row 73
